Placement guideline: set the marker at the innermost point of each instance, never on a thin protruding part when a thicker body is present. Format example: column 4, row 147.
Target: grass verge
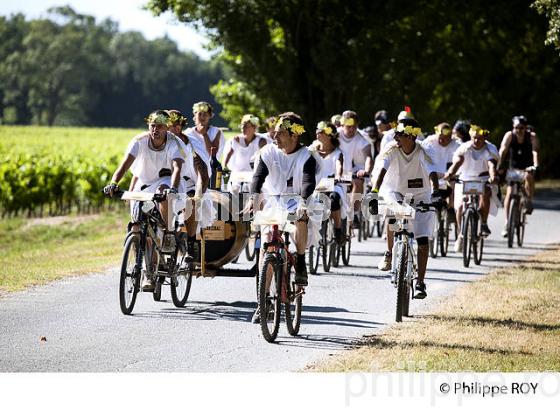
column 506, row 322
column 36, row 251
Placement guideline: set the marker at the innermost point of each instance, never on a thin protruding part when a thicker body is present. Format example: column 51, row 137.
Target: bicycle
column 517, row 218
column 152, row 253
column 445, row 217
column 278, row 271
column 473, row 241
column 404, row 269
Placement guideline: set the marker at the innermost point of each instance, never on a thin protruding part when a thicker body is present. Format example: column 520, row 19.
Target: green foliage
column 68, row 69
column 551, row 9
column 55, row 170
column 480, row 60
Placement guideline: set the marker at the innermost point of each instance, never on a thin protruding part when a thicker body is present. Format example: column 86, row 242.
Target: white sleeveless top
column 243, row 155
column 213, row 132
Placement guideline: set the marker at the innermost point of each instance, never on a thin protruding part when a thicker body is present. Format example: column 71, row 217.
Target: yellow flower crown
column 154, row 118
column 175, row 118
column 347, row 121
column 335, row 118
column 271, row 123
column 200, row 107
column 444, row 131
column 475, row 129
column 250, row 118
column 324, row 127
column 289, row 126
column 409, row 130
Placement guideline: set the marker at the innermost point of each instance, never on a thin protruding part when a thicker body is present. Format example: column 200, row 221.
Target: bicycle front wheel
column 521, row 228
column 468, row 221
column 313, row 256
column 270, row 301
column 293, row 305
column 129, row 283
column 512, row 221
column 478, row 244
column 181, row 283
column 402, row 258
column 443, row 233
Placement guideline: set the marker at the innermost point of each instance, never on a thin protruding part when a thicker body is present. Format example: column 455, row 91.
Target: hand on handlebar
column 362, row 173
column 110, row 190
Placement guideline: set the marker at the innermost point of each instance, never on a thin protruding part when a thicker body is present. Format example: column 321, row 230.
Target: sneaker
column 484, row 230
column 385, row 263
column 148, row 284
column 505, row 232
column 458, row 247
column 420, row 289
column 301, row 271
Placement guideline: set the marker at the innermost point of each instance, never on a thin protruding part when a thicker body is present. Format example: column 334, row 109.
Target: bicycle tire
column 478, row 243
column 129, row 282
column 335, row 262
column 401, row 280
column 158, row 288
column 272, row 299
column 467, row 239
column 313, row 256
column 443, row 233
column 521, row 227
column 250, row 254
column 434, row 240
column 512, row 221
column 379, row 229
column 326, row 246
column 293, row 319
column 345, row 251
column 181, row 284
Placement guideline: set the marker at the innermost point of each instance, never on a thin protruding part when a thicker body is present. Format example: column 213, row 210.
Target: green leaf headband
column 409, row 130
column 289, row 126
column 160, row 119
column 249, row 118
column 175, row 118
column 200, row 107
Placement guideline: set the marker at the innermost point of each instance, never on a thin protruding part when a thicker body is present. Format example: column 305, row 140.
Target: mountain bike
column 445, row 217
column 404, row 267
column 278, row 272
column 473, row 241
column 517, row 215
column 154, row 251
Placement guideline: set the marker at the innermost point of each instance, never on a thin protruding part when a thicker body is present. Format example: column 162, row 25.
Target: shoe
column 420, row 289
column 505, row 232
column 529, row 207
column 148, row 284
column 385, row 263
column 484, row 230
column 458, row 247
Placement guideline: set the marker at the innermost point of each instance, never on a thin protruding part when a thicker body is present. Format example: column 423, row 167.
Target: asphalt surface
column 83, row 329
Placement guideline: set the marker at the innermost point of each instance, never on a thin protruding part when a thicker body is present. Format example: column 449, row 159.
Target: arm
column 339, row 167
column 368, row 167
column 259, row 176
column 123, row 167
column 176, row 176
column 535, row 142
column 308, row 179
column 457, row 162
column 229, row 153
column 202, row 179
column 492, row 165
column 504, row 148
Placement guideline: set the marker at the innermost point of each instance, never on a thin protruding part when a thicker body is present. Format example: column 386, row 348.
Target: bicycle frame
column 404, row 238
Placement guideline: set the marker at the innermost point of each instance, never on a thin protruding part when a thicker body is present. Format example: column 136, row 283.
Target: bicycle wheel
column 326, row 245
column 250, row 249
column 379, row 229
column 401, row 280
column 129, row 283
column 181, row 282
column 512, row 221
column 443, row 233
column 157, row 291
column 336, row 249
column 478, row 243
column 360, row 227
column 433, row 241
column 313, row 256
column 521, row 227
column 468, row 220
column 345, row 252
column 270, row 302
column 293, row 305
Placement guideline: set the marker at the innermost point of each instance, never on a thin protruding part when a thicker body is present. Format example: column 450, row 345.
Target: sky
column 128, row 13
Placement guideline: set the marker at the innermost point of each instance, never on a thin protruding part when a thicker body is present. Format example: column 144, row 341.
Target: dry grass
column 507, row 322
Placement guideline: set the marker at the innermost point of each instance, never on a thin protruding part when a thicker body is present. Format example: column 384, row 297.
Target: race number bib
column 416, row 183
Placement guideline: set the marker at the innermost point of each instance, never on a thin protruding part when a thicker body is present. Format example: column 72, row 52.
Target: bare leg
column 530, row 184
column 422, row 261
column 301, row 237
column 485, row 204
column 357, row 192
column 335, row 215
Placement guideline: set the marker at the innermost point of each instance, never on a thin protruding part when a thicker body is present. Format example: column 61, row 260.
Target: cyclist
column 522, row 147
column 443, row 147
column 327, row 153
column 461, row 131
column 242, row 149
column 156, row 158
column 478, row 159
column 336, row 120
column 414, row 167
column 210, row 136
column 287, row 167
column 389, row 134
column 357, row 151
column 270, row 123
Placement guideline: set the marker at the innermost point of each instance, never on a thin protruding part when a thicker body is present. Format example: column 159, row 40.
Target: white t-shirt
column 149, row 162
column 411, row 171
column 476, row 161
column 213, row 132
column 243, row 155
column 442, row 156
column 353, row 150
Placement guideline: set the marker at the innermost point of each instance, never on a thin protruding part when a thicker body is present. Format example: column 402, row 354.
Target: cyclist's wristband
column 375, row 190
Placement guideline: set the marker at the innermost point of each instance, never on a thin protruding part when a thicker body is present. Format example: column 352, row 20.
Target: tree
column 551, row 8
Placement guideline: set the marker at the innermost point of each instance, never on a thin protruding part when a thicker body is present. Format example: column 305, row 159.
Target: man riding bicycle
column 415, row 174
column 477, row 159
column 357, row 152
column 156, row 159
column 521, row 148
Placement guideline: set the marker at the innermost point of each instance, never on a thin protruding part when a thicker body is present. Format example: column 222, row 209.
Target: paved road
column 85, row 330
